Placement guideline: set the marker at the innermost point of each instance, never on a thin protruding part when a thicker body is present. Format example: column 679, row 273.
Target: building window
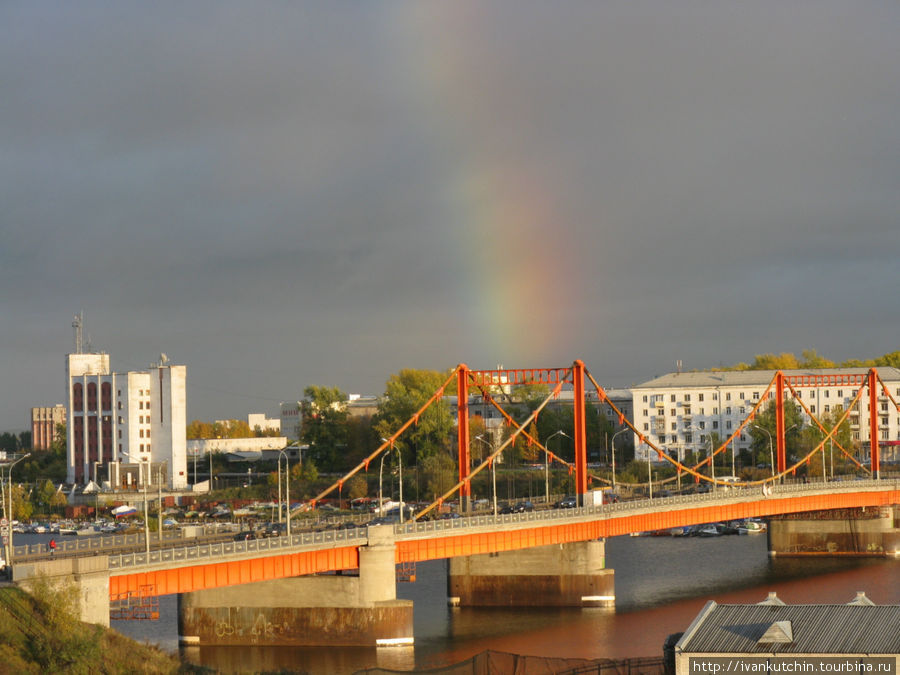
column 715, row 397
column 687, row 397
column 728, row 410
column 827, row 408
column 646, row 426
column 672, row 412
column 716, row 411
column 699, row 397
column 672, row 398
column 841, row 393
column 702, row 425
column 92, row 396
column 147, row 407
column 727, row 395
column 728, row 424
column 884, row 435
column 674, row 427
column 646, row 413
column 141, row 433
column 715, row 424
column 755, row 395
column 827, row 393
column 140, row 405
column 645, row 398
column 674, row 439
column 120, row 433
column 688, row 438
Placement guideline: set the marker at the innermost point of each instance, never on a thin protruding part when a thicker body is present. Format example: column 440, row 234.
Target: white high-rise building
column 136, row 418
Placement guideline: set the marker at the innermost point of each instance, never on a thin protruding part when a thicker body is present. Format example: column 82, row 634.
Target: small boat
column 752, row 527
column 709, row 530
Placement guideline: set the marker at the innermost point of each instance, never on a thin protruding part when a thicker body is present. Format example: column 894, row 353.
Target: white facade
column 264, row 423
column 291, row 419
column 678, row 412
column 134, row 417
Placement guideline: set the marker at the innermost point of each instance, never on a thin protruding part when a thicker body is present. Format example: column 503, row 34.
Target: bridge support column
column 89, row 575
column 328, row 609
column 560, row 575
column 870, row 531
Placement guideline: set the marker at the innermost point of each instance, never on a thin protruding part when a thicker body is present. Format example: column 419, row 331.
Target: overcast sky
column 284, row 194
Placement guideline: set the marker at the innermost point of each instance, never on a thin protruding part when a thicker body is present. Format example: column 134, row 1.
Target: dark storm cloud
column 269, row 192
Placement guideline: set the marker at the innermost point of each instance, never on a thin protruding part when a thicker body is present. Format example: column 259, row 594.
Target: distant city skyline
column 283, row 195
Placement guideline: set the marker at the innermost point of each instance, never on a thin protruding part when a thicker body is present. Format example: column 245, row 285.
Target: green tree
column 405, row 393
column 793, row 431
column 439, row 473
column 324, row 426
column 357, row 487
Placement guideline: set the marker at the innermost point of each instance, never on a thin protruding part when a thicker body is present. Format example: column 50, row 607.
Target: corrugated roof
column 738, row 378
column 816, row 629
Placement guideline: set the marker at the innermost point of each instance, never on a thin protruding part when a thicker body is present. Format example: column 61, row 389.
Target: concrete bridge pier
column 864, row 531
column 559, row 575
column 316, row 610
column 89, row 575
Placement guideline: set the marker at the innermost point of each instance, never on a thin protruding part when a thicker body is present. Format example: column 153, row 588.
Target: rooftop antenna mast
column 78, row 325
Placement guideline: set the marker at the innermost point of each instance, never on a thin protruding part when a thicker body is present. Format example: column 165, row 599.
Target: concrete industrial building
column 127, row 429
column 43, row 425
column 679, row 411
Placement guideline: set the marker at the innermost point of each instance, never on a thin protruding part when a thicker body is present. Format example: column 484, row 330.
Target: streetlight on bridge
column 613, row 444
column 493, row 472
column 287, row 488
column 547, row 462
column 9, row 513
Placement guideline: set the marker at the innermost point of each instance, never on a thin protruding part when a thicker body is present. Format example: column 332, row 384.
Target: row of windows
column 673, row 398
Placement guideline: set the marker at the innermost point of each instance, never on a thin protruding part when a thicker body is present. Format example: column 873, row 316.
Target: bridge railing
column 730, row 493
column 354, row 536
column 97, row 543
column 358, row 535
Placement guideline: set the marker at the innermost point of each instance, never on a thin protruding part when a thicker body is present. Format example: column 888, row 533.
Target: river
column 661, row 585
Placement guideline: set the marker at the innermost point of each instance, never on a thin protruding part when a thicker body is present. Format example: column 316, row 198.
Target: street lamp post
column 144, row 484
column 9, row 516
column 380, row 473
column 287, row 488
column 493, row 472
column 400, row 469
column 547, row 463
column 771, row 451
column 613, row 443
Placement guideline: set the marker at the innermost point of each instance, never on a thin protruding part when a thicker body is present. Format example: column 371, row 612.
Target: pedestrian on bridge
column 52, row 546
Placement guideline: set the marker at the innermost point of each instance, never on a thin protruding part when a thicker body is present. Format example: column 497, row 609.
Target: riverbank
column 38, row 634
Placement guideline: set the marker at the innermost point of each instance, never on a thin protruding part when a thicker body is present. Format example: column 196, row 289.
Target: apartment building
column 680, row 411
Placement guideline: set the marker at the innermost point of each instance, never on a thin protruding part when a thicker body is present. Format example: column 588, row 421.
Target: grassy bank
column 39, row 634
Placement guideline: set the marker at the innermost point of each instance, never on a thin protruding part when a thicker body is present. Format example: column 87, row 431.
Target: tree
column 324, row 426
column 405, row 393
column 793, row 426
column 357, row 487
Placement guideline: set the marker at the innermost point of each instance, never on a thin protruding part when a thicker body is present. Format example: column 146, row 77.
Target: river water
column 661, row 585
